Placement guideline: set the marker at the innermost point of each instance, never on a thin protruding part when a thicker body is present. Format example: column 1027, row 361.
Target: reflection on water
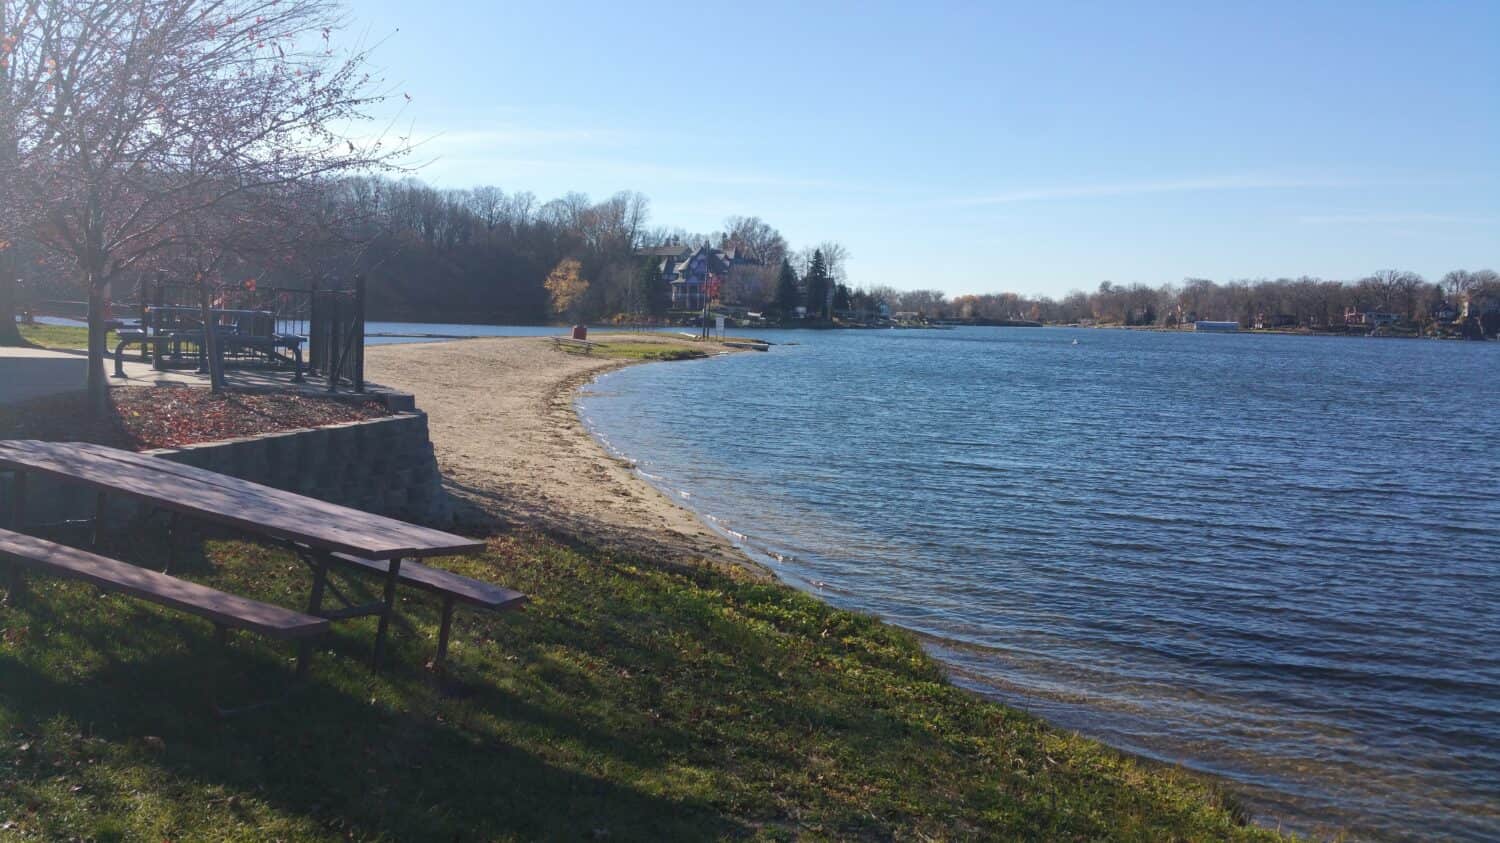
column 1271, row 558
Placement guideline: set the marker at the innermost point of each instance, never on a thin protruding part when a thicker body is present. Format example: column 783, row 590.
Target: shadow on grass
column 641, row 700
column 402, row 753
column 337, row 762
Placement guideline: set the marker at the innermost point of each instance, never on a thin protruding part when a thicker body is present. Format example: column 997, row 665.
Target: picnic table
column 166, row 329
column 321, row 533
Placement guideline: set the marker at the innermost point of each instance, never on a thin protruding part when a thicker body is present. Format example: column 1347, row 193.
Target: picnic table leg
column 17, row 513
column 15, row 581
column 98, row 525
column 393, row 574
column 443, row 631
column 172, row 530
column 120, row 357
column 320, row 580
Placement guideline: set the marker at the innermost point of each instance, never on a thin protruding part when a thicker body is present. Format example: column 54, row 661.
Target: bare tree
column 155, row 113
column 837, row 257
column 1395, row 289
column 756, row 240
column 1458, row 282
column 929, row 303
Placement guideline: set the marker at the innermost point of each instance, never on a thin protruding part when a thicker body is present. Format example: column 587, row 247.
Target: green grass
column 630, row 700
column 638, row 350
column 65, row 337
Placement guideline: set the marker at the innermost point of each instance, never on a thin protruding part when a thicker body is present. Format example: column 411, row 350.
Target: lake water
column 394, row 333
column 1276, row 559
column 391, row 333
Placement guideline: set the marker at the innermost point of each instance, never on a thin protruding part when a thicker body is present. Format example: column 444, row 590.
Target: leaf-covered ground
column 142, row 418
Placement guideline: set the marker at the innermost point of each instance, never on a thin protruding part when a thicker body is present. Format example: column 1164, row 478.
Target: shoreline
column 515, row 453
column 644, row 519
column 649, row 694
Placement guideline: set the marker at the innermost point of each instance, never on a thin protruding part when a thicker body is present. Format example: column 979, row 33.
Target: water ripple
column 1273, row 559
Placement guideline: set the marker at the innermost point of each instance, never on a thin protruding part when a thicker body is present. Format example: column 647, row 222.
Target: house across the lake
column 1271, row 321
column 695, row 274
column 1216, row 327
column 1355, row 318
column 1480, row 303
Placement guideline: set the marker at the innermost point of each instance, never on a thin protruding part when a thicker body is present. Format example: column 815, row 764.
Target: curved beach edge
column 514, row 452
column 512, row 445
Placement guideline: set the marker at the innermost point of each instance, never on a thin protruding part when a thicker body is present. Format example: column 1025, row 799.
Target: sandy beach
column 510, row 443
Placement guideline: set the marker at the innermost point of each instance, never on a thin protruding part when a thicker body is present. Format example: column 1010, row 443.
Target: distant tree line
column 1302, row 302
column 486, row 255
column 490, row 256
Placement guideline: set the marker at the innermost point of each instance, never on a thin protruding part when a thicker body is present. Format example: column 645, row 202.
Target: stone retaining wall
column 385, row 466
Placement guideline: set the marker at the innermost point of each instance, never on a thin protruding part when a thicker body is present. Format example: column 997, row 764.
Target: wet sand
column 511, row 446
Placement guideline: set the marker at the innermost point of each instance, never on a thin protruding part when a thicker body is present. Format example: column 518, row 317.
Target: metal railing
column 330, row 321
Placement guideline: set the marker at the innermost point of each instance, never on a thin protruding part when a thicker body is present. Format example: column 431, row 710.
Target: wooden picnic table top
column 232, row 501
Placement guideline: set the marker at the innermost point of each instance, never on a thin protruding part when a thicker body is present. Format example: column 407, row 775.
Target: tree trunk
column 9, row 301
column 210, row 342
column 98, row 385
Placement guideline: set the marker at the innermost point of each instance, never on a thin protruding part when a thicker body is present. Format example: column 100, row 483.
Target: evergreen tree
column 817, row 286
column 786, row 289
column 654, row 292
column 843, row 298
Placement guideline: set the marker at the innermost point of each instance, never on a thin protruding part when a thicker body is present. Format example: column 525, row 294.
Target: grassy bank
column 66, row 337
column 627, row 348
column 631, row 700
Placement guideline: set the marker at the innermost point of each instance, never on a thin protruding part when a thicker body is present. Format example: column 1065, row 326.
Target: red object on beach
column 580, row 332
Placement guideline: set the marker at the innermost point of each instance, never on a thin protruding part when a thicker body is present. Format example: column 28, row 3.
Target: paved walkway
column 29, row 373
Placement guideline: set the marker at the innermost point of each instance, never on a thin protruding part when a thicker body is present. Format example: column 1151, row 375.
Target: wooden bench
column 453, row 588
column 270, row 346
column 127, row 338
column 224, row 610
column 569, row 342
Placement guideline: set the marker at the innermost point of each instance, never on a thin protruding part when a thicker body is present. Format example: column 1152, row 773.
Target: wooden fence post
column 314, row 325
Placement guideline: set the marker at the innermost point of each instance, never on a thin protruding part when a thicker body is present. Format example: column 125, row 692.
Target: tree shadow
column 65, row 417
column 345, row 764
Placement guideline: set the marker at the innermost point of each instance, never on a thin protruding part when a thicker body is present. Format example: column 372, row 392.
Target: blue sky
column 986, row 147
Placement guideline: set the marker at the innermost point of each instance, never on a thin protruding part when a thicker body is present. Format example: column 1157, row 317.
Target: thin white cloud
column 513, row 136
column 1106, row 190
column 1396, row 219
column 632, row 172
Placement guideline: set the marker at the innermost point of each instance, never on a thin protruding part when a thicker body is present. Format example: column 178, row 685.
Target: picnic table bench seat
column 313, row 529
column 453, row 588
column 569, row 342
column 271, row 345
column 223, row 609
column 137, row 336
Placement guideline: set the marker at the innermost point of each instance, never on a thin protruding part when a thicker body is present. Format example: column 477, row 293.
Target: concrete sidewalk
column 27, row 373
